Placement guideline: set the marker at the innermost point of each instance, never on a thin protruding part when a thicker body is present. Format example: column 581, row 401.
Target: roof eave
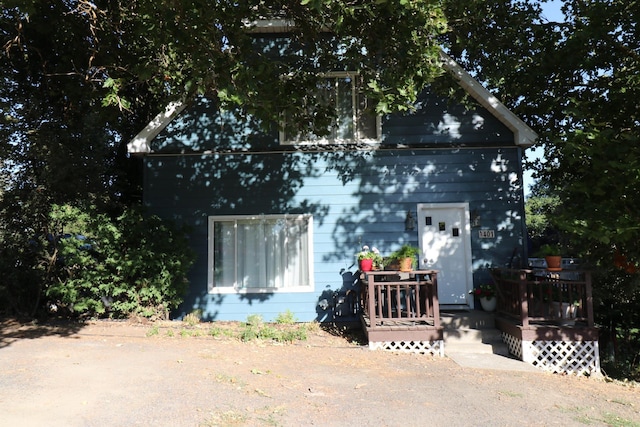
column 524, row 136
column 140, row 144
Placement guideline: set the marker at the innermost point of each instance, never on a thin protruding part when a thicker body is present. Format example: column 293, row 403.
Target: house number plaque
column 487, row 234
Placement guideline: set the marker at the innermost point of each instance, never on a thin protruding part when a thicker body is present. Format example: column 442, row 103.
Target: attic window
column 354, row 123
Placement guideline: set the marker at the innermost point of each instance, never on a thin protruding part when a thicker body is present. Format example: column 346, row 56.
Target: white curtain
column 266, row 253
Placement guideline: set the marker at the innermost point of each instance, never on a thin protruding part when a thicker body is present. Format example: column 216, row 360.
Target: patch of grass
column 268, row 415
column 226, row 418
column 615, row 421
column 284, row 330
column 610, row 419
column 510, row 393
column 223, row 378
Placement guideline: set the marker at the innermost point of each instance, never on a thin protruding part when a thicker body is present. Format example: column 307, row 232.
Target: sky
column 553, row 13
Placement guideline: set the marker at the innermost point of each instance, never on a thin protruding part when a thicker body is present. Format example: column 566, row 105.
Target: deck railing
column 542, row 297
column 393, row 298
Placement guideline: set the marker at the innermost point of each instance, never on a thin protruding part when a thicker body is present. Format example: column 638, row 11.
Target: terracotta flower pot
column 406, row 264
column 554, row 263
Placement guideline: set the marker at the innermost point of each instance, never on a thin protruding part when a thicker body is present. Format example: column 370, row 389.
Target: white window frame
column 300, row 140
column 236, row 289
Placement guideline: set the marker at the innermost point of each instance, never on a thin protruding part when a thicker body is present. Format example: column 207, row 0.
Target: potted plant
column 369, row 259
column 487, row 295
column 564, row 306
column 405, row 257
column 552, row 255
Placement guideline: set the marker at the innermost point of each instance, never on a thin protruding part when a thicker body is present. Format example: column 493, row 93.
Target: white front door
column 445, row 245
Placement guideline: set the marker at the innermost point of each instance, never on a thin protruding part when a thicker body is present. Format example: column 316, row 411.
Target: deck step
column 472, row 332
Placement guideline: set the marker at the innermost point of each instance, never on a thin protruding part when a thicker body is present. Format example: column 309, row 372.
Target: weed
column 286, row 318
column 155, row 330
column 291, row 335
column 193, row 318
column 216, row 331
column 252, row 327
column 170, row 333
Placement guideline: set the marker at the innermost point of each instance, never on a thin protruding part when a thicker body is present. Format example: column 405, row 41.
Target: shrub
column 133, row 265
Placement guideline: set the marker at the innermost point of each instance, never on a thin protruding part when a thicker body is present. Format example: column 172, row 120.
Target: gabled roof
column 524, row 135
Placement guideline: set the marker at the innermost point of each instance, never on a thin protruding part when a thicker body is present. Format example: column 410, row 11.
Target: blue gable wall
column 229, row 166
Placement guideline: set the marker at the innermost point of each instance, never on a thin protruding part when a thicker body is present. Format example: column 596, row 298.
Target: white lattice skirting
column 560, row 357
column 435, row 348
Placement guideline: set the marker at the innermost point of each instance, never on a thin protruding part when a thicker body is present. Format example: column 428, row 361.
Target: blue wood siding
column 435, row 122
column 355, row 197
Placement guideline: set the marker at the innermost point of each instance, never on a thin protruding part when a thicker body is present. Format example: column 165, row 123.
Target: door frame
column 468, row 260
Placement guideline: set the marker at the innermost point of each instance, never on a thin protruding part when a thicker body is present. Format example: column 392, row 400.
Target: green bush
column 133, row 265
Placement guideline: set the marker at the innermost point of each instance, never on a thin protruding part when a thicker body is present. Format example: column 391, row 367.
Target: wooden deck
column 546, row 319
column 537, row 304
column 401, row 308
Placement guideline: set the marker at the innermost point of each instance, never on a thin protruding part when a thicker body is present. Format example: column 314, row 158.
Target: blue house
column 277, row 218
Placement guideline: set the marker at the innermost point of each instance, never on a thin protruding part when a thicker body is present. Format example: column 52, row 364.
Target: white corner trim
column 141, row 143
column 524, row 135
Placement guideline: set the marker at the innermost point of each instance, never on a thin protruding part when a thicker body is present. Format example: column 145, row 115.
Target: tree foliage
column 89, row 264
column 576, row 81
column 80, row 78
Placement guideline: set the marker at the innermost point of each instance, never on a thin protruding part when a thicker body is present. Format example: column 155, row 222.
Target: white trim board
column 524, row 135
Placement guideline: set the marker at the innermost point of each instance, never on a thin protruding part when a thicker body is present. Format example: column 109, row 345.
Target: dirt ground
column 128, row 374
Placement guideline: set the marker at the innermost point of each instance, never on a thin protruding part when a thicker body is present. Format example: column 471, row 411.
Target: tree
column 576, row 83
column 80, row 78
column 541, row 208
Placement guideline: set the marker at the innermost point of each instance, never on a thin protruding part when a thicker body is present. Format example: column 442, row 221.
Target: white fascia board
column 269, row 26
column 524, row 135
column 141, row 143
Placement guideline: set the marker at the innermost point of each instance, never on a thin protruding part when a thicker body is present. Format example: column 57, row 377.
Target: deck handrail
column 544, row 297
column 390, row 297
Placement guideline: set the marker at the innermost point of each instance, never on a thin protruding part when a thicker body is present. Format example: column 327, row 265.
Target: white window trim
column 323, row 141
column 212, row 289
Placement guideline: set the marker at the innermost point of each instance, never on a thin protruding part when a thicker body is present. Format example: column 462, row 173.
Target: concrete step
column 476, row 348
column 472, row 319
column 472, row 332
column 463, row 336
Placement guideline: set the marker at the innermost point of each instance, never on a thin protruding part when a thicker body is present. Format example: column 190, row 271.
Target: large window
column 355, row 121
column 264, row 253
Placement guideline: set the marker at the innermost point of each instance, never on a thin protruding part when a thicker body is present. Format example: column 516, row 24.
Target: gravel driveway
column 115, row 374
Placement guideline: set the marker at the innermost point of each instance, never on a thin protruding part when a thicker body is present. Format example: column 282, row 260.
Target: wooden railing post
column 371, row 300
column 589, row 292
column 436, row 303
column 523, row 300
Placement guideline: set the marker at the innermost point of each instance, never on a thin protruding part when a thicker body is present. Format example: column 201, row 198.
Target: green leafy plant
column 406, row 251
column 549, row 250
column 286, row 318
column 133, row 264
